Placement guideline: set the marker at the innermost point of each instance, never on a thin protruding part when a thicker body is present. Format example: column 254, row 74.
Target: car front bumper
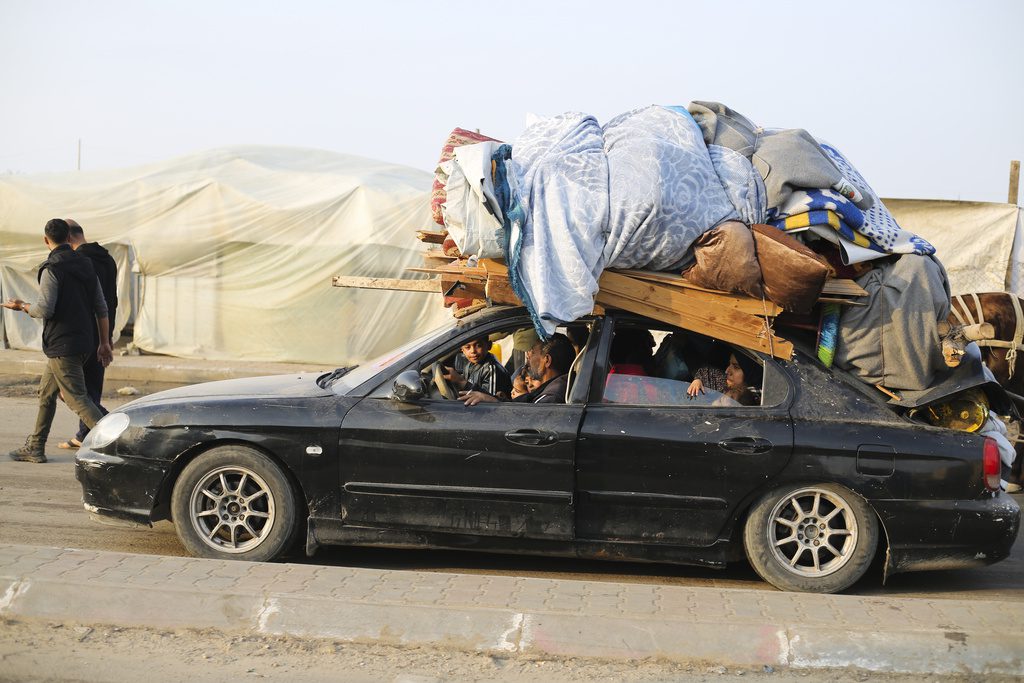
column 119, row 488
column 948, row 534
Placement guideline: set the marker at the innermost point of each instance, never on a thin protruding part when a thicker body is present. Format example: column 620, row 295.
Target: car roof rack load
column 469, row 285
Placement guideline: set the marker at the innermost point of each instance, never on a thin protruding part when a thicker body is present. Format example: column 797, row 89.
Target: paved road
column 41, row 505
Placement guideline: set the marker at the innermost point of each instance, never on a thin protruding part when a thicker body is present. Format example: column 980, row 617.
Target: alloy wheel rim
column 232, row 509
column 812, row 532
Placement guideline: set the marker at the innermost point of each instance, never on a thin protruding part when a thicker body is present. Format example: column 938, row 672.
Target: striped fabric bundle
column 826, row 218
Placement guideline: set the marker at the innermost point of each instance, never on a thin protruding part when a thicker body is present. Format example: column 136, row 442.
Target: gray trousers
column 63, row 375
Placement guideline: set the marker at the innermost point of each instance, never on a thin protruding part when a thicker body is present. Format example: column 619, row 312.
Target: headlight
column 106, row 430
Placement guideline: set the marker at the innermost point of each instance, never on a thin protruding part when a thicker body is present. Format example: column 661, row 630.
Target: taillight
column 991, row 464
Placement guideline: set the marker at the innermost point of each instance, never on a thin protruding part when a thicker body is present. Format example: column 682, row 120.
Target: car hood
column 276, row 386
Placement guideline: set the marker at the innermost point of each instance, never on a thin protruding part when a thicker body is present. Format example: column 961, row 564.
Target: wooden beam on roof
column 474, row 274
column 833, row 287
column 841, row 287
column 431, row 236
column 678, row 307
column 431, row 285
column 739, row 302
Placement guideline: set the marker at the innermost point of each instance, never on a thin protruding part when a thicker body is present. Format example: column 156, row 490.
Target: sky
column 925, row 98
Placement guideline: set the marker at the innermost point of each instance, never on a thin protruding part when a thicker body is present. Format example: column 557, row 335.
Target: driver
column 549, row 365
column 476, row 369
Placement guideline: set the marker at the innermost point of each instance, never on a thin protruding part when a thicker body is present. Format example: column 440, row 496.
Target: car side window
column 666, row 366
column 498, row 364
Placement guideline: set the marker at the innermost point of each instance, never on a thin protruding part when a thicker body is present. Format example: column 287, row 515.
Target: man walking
column 106, row 272
column 71, row 305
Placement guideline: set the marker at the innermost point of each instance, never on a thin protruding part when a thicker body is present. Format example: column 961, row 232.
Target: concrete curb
column 509, row 616
column 158, row 368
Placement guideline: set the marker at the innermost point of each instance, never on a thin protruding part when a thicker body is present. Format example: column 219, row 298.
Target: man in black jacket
column 106, row 272
column 71, row 305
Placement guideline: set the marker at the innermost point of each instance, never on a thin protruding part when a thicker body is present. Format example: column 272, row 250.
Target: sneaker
column 28, row 454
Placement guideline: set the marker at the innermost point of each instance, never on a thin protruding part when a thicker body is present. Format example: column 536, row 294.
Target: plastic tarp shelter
column 981, row 244
column 228, row 254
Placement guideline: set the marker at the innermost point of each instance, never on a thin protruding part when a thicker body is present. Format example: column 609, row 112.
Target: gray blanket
column 894, row 340
column 787, row 159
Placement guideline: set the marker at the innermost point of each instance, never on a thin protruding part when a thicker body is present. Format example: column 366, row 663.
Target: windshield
column 345, row 382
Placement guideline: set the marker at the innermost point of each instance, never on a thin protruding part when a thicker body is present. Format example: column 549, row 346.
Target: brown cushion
column 793, row 274
column 726, row 260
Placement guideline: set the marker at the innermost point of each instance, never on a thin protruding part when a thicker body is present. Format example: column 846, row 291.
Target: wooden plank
column 738, row 302
column 439, row 255
column 453, row 284
column 435, row 261
column 463, row 312
column 776, row 347
column 474, row 274
column 672, row 305
column 494, row 266
column 838, row 286
column 499, row 291
column 430, row 285
column 678, row 299
column 841, row 301
column 431, row 236
column 843, row 287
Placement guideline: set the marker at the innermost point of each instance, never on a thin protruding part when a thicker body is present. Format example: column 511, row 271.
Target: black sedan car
column 810, row 482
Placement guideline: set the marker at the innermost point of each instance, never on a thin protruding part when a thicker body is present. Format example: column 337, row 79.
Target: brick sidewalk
column 509, row 615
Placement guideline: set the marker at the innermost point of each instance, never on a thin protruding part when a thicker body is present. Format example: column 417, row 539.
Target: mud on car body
column 811, row 486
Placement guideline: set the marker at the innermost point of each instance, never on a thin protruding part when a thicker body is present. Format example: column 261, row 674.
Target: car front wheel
column 819, row 538
column 233, row 502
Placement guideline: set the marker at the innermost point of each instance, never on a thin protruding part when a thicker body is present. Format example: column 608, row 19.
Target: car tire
column 817, row 538
column 234, row 503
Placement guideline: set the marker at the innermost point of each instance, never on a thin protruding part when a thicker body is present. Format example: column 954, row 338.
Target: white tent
column 980, row 244
column 234, row 250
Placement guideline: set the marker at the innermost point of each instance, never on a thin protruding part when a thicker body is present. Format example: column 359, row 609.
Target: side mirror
column 408, row 387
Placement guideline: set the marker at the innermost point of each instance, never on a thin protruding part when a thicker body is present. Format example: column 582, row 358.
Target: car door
column 652, row 469
column 494, row 469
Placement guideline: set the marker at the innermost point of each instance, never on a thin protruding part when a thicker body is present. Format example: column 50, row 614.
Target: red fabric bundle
column 458, row 138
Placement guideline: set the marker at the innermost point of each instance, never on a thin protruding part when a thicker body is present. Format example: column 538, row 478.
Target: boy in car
column 476, row 369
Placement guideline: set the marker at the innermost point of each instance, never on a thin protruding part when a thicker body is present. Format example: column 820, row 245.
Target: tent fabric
column 234, row 250
column 979, row 243
column 25, row 332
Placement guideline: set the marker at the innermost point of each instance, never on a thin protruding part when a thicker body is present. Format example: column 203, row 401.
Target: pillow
column 793, row 274
column 726, row 260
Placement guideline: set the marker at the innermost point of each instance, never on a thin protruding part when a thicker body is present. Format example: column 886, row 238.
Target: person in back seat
column 631, row 354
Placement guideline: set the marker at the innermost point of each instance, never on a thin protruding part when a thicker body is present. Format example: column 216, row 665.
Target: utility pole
column 1014, row 191
column 79, row 154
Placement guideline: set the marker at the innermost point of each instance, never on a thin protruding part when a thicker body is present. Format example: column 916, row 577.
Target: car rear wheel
column 233, row 502
column 819, row 538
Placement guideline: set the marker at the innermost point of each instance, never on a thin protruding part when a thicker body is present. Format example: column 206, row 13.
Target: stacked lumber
column 468, row 285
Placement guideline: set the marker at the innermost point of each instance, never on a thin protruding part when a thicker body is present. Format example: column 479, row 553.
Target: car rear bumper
column 947, row 534
column 118, row 487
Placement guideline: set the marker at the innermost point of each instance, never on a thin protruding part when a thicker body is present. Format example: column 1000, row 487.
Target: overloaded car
column 813, row 481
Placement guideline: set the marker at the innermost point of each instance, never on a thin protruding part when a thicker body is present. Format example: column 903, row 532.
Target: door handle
column 532, row 437
column 746, row 445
